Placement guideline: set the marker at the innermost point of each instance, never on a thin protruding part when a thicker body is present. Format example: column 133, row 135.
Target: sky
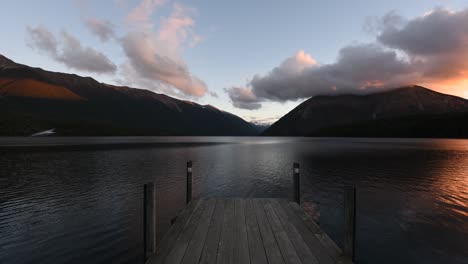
column 256, row 59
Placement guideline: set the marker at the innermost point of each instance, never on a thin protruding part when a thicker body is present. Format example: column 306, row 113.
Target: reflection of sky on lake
column 84, row 204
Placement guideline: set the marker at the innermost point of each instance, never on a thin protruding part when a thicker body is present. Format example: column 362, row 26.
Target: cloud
column 42, row 39
column 374, row 25
column 153, row 51
column 280, row 77
column 242, row 97
column 103, row 29
column 154, row 55
column 437, row 32
column 438, row 41
column 76, row 56
column 358, row 69
column 178, row 27
column 431, row 49
column 152, row 62
column 142, row 13
column 69, row 51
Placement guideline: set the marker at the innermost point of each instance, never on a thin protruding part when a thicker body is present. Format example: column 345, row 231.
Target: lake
column 80, row 200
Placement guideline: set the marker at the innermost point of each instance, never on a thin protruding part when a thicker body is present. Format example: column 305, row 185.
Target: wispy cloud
column 68, row 50
column 103, row 29
column 155, row 54
column 141, row 14
column 152, row 46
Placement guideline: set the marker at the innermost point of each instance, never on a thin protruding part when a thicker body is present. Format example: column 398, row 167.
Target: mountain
column 404, row 112
column 260, row 127
column 33, row 100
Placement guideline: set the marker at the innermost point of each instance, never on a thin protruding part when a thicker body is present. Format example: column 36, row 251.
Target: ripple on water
column 83, row 204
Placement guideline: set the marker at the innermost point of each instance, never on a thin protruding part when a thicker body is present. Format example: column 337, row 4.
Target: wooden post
column 350, row 222
column 149, row 219
column 189, row 182
column 297, row 183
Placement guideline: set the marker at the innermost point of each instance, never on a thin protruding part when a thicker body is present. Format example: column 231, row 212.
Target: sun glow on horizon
column 452, row 87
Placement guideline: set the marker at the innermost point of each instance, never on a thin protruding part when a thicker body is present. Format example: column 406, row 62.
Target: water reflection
column 66, row 203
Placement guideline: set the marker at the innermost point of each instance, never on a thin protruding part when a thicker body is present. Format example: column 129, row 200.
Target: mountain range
column 33, row 99
column 404, row 112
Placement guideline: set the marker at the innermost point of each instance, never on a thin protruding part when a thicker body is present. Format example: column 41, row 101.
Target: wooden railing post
column 297, row 183
column 350, row 222
column 189, row 182
column 149, row 218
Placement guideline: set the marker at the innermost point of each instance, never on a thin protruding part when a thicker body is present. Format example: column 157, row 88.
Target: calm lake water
column 79, row 200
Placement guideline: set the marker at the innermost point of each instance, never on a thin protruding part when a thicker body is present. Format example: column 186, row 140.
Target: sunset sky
column 256, row 59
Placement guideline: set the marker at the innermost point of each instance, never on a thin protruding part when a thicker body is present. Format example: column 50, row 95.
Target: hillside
column 33, row 99
column 404, row 112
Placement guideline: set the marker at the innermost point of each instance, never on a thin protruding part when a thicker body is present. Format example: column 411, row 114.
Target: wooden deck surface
column 238, row 231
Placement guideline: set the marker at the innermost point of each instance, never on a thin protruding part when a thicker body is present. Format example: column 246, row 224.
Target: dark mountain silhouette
column 404, row 112
column 32, row 99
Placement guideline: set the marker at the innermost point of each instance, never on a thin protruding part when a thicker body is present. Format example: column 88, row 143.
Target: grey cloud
column 243, row 98
column 74, row 55
column 69, row 51
column 437, row 42
column 358, row 69
column 429, row 49
column 375, row 25
column 42, row 39
column 103, row 29
column 440, row 31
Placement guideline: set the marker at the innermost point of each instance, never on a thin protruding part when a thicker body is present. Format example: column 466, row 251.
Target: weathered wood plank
column 314, row 244
column 328, row 243
column 287, row 249
column 180, row 246
column 225, row 252
column 171, row 236
column 228, row 231
column 257, row 251
column 195, row 247
column 241, row 249
column 272, row 250
column 210, row 249
column 330, row 246
column 301, row 247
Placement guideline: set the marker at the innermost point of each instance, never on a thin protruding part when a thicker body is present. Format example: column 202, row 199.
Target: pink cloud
column 155, row 54
column 141, row 14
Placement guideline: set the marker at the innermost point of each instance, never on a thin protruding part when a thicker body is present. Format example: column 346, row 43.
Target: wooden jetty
column 245, row 230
